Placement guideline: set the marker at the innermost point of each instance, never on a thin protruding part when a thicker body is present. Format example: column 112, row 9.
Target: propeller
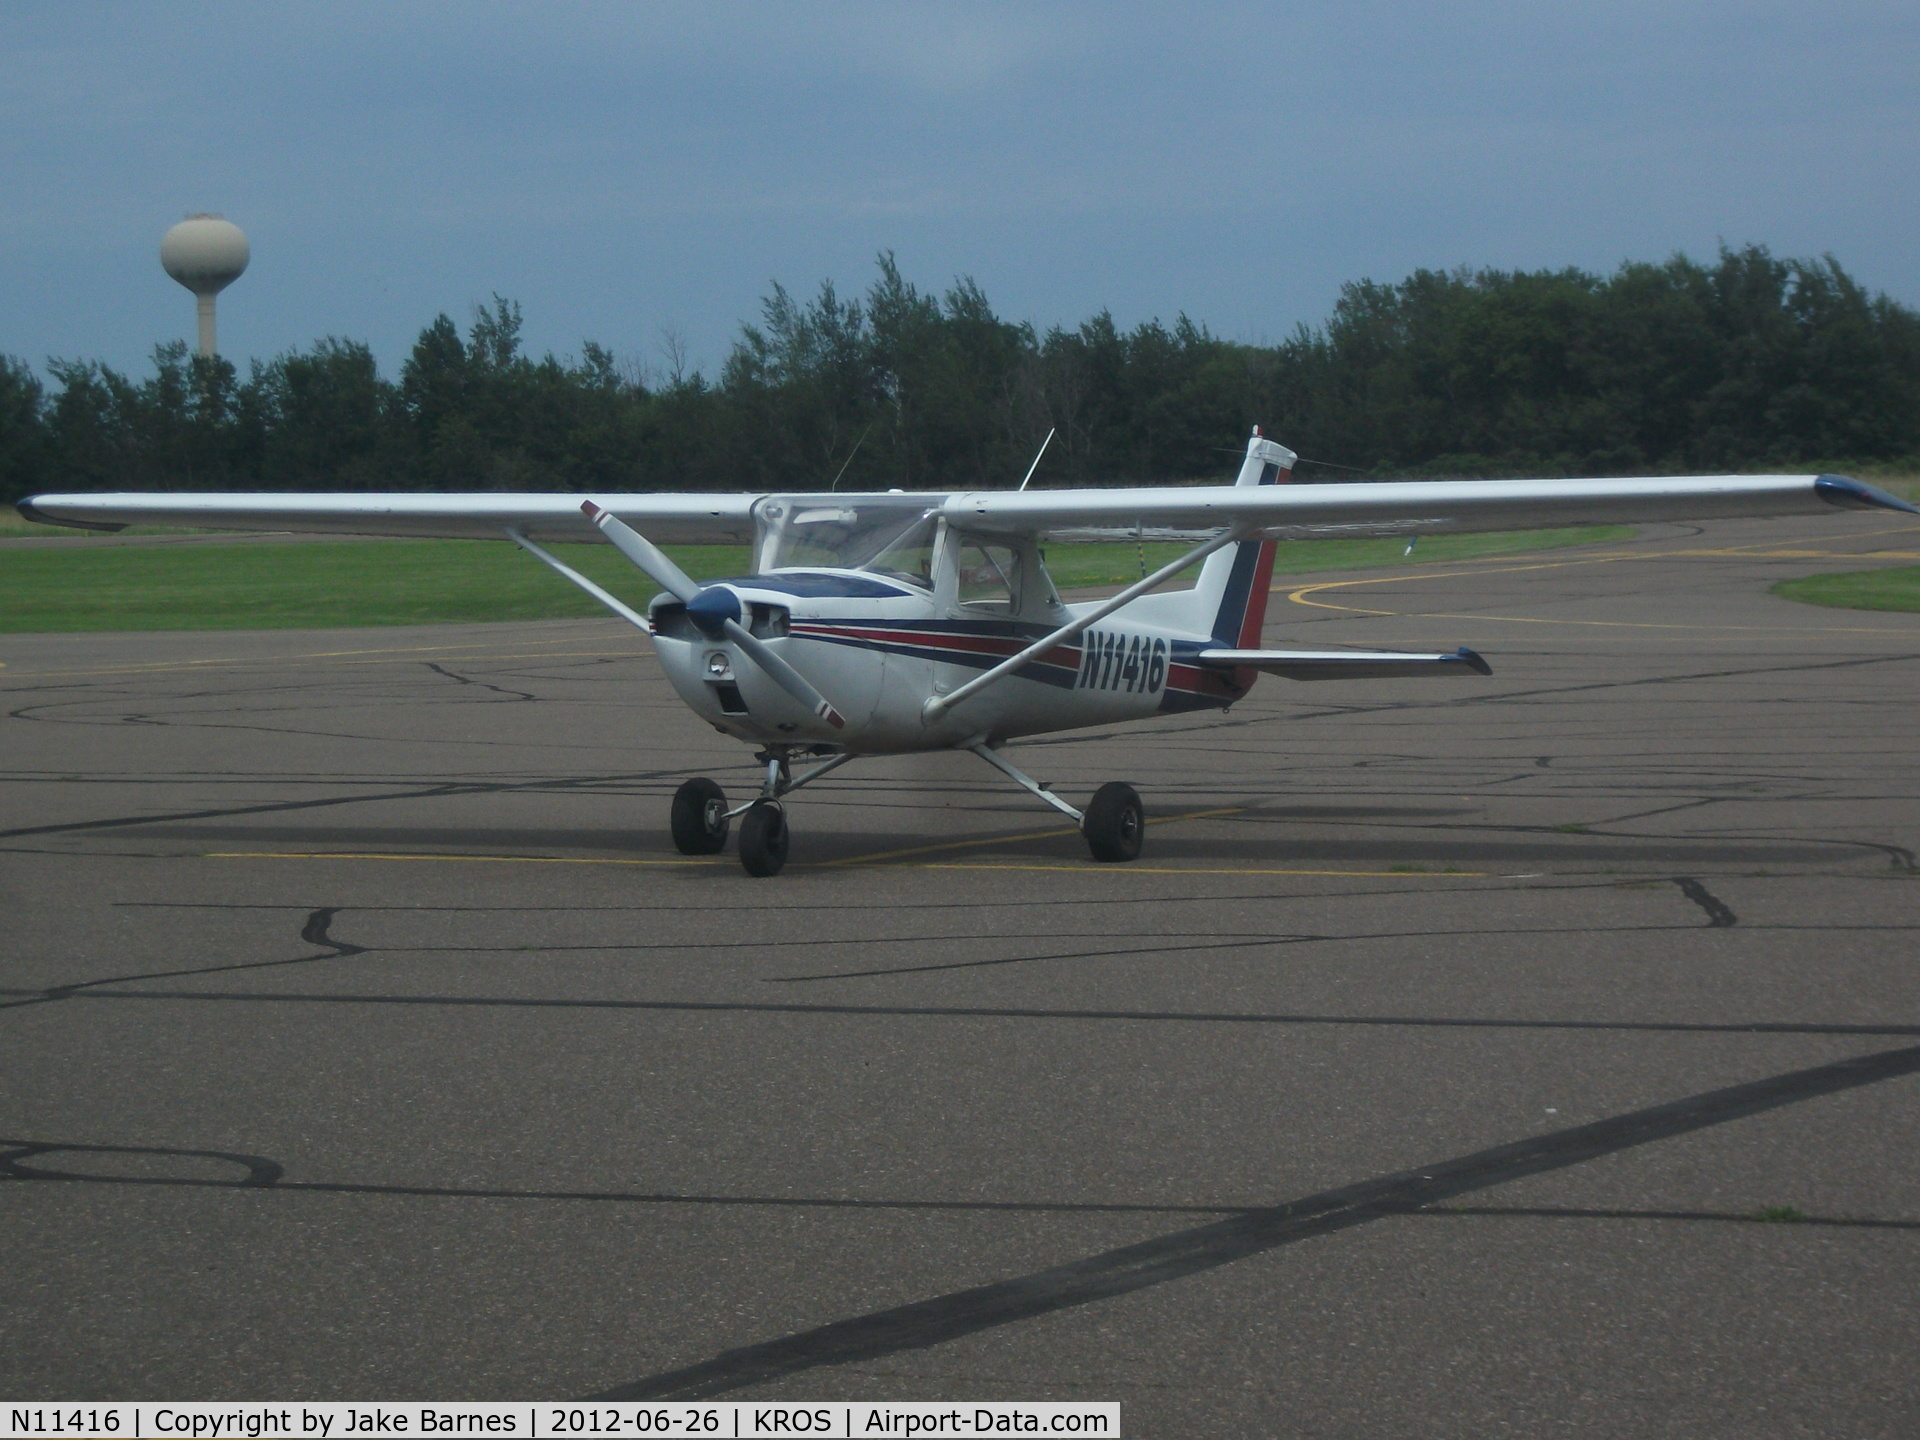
column 714, row 610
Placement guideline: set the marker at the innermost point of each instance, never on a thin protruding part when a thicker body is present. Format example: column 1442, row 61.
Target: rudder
column 1230, row 597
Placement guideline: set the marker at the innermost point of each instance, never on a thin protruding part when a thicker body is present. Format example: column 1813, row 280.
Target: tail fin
column 1230, row 598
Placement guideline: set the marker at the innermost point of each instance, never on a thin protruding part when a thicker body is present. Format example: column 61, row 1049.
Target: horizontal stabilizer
column 1346, row 664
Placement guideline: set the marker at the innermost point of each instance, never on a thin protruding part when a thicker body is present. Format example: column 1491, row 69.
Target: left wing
column 1345, row 664
column 1403, row 507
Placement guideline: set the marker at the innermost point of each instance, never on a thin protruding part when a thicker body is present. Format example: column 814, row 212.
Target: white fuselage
column 878, row 648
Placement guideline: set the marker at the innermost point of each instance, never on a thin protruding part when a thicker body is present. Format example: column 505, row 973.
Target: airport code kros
column 259, row 1420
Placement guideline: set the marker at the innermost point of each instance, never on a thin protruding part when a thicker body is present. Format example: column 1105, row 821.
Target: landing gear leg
column 701, row 810
column 1114, row 822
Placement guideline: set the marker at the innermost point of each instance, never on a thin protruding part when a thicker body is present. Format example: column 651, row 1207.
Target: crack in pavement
column 263, row 1174
column 436, row 791
column 971, row 1012
column 314, row 932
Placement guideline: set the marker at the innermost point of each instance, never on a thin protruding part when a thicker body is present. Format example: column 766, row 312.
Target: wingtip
column 29, row 511
column 1473, row 660
column 1851, row 494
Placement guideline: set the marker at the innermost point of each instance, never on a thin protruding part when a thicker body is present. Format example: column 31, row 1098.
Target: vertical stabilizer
column 1230, row 599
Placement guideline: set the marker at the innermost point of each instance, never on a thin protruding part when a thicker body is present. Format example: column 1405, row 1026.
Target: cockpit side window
column 910, row 557
column 988, row 578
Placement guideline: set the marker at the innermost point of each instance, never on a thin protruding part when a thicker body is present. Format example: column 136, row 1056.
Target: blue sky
column 626, row 171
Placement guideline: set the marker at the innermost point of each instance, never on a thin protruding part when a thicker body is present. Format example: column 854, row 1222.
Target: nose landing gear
column 763, row 838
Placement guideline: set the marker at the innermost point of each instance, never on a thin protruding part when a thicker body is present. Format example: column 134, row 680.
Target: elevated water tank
column 206, row 254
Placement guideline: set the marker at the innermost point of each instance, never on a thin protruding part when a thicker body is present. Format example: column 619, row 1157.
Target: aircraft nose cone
column 712, row 608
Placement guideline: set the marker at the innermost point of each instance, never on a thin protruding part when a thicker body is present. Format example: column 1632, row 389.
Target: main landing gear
column 1114, row 823
column 701, row 816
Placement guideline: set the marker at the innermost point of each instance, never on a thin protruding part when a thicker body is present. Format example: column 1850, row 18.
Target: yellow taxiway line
column 1135, row 869
column 1087, row 867
column 455, row 859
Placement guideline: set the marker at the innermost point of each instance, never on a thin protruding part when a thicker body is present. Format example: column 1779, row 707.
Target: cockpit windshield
column 888, row 535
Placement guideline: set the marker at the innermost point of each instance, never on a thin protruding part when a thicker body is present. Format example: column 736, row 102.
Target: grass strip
column 324, row 584
column 321, row 584
column 1894, row 589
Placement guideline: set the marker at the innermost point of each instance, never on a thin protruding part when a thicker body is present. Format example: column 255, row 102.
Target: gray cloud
column 620, row 167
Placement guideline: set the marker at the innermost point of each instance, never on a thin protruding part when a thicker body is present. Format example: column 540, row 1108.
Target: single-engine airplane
column 880, row 623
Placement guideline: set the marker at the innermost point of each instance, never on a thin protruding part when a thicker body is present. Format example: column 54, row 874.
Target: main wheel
column 763, row 838
column 1116, row 822
column 699, row 818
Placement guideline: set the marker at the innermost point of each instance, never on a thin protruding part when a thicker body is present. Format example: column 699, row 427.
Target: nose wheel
column 701, row 815
column 763, row 838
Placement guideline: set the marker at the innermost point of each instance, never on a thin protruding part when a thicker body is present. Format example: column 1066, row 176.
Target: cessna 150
column 874, row 624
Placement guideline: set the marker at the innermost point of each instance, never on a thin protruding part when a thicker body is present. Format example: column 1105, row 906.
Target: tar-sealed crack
column 1719, row 916
column 1194, row 1251
column 314, row 932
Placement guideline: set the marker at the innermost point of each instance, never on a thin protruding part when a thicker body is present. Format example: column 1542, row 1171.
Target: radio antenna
column 849, row 460
column 1036, row 459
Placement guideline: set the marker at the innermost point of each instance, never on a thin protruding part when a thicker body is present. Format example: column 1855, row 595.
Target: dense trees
column 1749, row 362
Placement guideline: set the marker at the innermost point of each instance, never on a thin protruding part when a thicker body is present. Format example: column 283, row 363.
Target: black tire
column 763, row 839
column 699, row 818
column 1116, row 822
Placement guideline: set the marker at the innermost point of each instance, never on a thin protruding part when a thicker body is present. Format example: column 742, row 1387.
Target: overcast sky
column 627, row 169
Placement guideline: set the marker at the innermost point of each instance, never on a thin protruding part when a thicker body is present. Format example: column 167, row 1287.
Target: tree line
column 1749, row 362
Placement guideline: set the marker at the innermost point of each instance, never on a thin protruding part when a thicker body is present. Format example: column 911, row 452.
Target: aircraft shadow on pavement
column 1247, row 846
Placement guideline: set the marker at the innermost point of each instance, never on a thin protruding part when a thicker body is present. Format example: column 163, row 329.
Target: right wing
column 679, row 519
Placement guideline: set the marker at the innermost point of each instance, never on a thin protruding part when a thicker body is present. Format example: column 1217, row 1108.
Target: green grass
column 274, row 585
column 1897, row 589
column 314, row 584
column 12, row 527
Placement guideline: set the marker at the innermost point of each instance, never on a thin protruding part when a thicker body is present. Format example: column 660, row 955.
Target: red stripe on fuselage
column 995, row 646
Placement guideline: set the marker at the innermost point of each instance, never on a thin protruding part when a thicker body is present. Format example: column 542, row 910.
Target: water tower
column 206, row 254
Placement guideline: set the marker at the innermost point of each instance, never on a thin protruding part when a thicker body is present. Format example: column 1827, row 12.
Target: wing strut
column 619, row 607
column 938, row 705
